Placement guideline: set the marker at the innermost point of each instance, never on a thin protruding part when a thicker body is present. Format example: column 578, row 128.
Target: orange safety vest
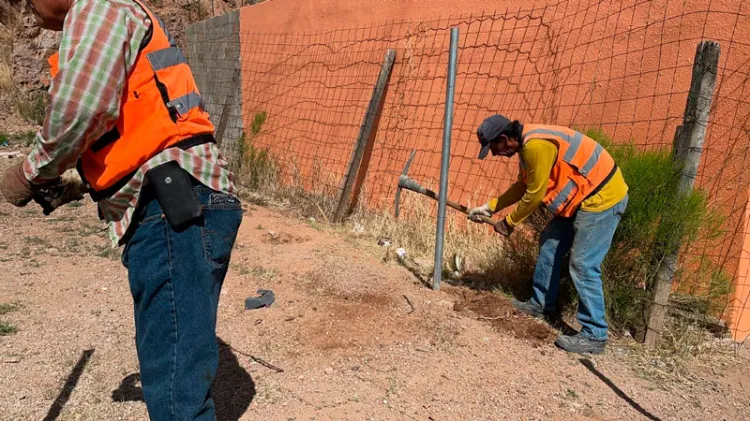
column 582, row 167
column 161, row 107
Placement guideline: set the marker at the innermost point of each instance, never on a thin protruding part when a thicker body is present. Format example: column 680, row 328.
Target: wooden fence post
column 365, row 134
column 687, row 148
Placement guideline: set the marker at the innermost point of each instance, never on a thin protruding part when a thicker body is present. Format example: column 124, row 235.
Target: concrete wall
column 213, row 52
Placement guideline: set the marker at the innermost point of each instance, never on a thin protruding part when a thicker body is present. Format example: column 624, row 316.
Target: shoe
column 580, row 345
column 529, row 308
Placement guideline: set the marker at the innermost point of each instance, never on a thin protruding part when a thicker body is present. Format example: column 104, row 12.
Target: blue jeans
column 590, row 235
column 175, row 279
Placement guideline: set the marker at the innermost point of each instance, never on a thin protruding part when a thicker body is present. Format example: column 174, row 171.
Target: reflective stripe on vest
column 581, row 167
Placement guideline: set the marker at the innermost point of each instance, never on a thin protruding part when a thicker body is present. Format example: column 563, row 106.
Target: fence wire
column 622, row 67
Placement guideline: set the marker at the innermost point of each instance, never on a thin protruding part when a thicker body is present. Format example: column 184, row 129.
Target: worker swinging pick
column 579, row 182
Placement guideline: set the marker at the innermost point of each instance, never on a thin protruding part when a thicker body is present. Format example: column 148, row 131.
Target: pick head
column 398, row 189
column 408, row 162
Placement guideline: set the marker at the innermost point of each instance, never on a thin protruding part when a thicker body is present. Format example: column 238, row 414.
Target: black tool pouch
column 173, row 188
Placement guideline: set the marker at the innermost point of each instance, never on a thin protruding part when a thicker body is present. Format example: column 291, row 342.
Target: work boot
column 529, row 308
column 580, row 345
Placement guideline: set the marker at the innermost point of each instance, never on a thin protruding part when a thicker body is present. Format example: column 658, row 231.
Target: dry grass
column 684, row 348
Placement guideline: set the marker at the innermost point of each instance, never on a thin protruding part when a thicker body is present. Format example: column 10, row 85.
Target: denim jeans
column 175, row 279
column 590, row 235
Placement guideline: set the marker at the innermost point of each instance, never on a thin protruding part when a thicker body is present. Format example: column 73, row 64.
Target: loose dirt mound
column 504, row 317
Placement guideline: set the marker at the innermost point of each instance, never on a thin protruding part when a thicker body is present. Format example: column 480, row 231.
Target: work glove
column 483, row 210
column 503, row 228
column 67, row 188
column 15, row 187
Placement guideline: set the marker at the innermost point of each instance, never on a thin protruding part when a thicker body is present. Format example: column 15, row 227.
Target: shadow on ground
column 70, row 384
column 233, row 388
column 619, row 392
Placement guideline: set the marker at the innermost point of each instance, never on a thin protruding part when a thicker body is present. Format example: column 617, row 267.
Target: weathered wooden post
column 366, row 131
column 687, row 148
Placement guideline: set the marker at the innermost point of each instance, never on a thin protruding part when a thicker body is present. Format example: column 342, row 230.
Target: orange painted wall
column 622, row 66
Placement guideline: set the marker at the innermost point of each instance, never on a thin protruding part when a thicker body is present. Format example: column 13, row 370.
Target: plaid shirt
column 99, row 47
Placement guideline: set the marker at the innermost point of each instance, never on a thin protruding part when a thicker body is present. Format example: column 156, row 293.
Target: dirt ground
column 350, row 337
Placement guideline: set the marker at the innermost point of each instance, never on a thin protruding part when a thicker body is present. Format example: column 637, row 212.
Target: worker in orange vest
column 577, row 180
column 126, row 115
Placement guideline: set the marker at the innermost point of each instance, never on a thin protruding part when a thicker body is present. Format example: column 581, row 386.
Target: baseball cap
column 489, row 132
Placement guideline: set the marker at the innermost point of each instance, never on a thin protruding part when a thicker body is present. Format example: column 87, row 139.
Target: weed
column 260, row 168
column 7, row 329
column 264, row 273
column 6, row 308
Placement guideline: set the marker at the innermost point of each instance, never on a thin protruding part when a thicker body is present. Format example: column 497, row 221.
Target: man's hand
column 15, row 187
column 483, row 210
column 67, row 189
column 503, row 228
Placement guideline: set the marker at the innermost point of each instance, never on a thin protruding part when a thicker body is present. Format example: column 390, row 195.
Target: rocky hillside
column 24, row 49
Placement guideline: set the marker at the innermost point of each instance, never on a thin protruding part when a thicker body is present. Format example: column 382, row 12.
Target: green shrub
column 659, row 222
column 256, row 165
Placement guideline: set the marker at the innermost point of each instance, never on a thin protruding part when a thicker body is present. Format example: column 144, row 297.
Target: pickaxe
column 405, row 182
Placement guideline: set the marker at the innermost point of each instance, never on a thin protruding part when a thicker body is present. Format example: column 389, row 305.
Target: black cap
column 489, row 131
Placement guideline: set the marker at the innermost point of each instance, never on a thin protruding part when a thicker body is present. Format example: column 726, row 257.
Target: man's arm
column 99, row 45
column 539, row 156
column 512, row 195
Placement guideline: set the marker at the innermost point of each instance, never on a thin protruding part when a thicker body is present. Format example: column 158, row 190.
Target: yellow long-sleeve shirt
column 539, row 156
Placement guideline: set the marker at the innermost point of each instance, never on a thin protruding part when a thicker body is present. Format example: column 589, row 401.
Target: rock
column 31, row 49
column 12, row 359
column 401, row 253
column 329, row 370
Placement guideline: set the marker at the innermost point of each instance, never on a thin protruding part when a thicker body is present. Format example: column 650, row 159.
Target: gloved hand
column 483, row 210
column 503, row 228
column 68, row 188
column 15, row 187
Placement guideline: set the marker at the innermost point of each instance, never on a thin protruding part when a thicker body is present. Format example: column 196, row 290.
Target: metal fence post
column 688, row 146
column 445, row 161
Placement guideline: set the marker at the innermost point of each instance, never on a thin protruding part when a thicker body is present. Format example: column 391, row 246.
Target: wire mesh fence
column 620, row 67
